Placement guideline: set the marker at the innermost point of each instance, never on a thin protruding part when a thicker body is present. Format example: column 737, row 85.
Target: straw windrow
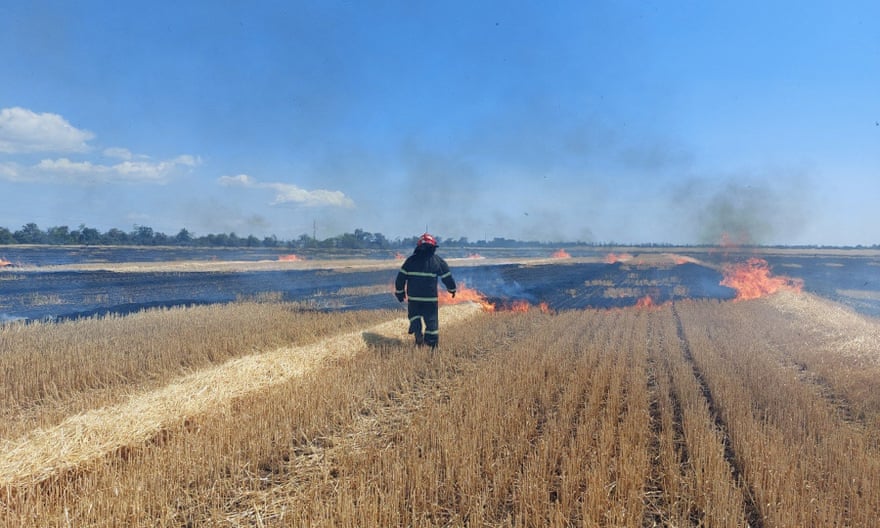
column 85, row 437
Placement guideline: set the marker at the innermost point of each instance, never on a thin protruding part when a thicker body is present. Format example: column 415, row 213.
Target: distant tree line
column 147, row 236
column 359, row 239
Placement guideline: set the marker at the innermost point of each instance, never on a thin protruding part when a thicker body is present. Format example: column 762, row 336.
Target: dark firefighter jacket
column 419, row 275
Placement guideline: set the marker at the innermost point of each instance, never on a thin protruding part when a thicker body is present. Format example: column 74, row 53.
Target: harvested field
column 88, row 436
column 694, row 413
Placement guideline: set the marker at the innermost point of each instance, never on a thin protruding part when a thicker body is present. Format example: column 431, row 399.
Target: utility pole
column 315, row 230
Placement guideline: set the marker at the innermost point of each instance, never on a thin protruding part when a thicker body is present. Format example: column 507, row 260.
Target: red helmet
column 427, row 240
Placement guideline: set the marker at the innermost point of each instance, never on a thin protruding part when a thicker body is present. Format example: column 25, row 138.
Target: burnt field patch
column 71, row 294
column 594, row 285
column 37, row 295
column 40, row 294
column 849, row 280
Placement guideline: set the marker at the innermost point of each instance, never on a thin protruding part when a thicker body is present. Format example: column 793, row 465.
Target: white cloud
column 149, row 171
column 64, row 165
column 64, row 170
column 9, row 172
column 118, row 153
column 23, row 131
column 289, row 193
column 242, row 180
column 187, row 160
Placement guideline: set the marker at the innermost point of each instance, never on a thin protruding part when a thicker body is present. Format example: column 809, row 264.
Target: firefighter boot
column 415, row 327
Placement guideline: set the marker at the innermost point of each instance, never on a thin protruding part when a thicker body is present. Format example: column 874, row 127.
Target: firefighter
column 417, row 283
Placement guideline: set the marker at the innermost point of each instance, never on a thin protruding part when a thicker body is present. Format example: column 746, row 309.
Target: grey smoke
column 745, row 210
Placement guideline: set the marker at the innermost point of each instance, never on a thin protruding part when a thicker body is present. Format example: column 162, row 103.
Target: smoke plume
column 743, row 211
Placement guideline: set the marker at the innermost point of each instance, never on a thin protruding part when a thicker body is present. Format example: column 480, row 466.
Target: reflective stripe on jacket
column 418, row 277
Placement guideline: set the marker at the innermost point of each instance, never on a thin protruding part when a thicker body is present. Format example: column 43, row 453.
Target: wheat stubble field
column 712, row 413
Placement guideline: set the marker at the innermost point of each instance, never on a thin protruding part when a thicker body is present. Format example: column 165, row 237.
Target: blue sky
column 602, row 121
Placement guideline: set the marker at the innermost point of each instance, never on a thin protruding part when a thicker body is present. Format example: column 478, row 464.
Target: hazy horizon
column 628, row 122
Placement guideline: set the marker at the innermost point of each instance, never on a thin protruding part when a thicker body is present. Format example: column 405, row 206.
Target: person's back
column 417, row 282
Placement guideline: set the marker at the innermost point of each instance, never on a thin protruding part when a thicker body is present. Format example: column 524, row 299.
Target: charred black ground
column 35, row 295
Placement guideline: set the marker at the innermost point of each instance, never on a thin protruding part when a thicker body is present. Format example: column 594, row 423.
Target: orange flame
column 613, row 258
column 523, row 306
column 398, row 255
column 681, row 259
column 4, row 262
column 475, row 256
column 519, row 306
column 645, row 302
column 560, row 254
column 290, row 258
column 465, row 294
column 752, row 279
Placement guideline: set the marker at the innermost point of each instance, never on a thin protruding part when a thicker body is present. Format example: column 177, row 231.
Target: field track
column 761, row 413
column 86, row 437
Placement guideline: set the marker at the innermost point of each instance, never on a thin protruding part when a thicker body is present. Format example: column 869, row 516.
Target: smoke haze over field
column 739, row 212
column 624, row 122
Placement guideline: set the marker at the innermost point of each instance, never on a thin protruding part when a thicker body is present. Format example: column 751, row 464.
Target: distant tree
column 183, row 238
column 88, row 235
column 305, row 241
column 329, row 243
column 6, row 236
column 161, row 239
column 142, row 235
column 30, row 234
column 502, row 242
column 218, row 240
column 362, row 238
column 58, row 235
column 350, row 240
column 252, row 241
column 116, row 237
column 408, row 241
column 270, row 241
column 380, row 242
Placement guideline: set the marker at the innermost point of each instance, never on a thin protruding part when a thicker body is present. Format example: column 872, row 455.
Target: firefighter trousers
column 424, row 313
